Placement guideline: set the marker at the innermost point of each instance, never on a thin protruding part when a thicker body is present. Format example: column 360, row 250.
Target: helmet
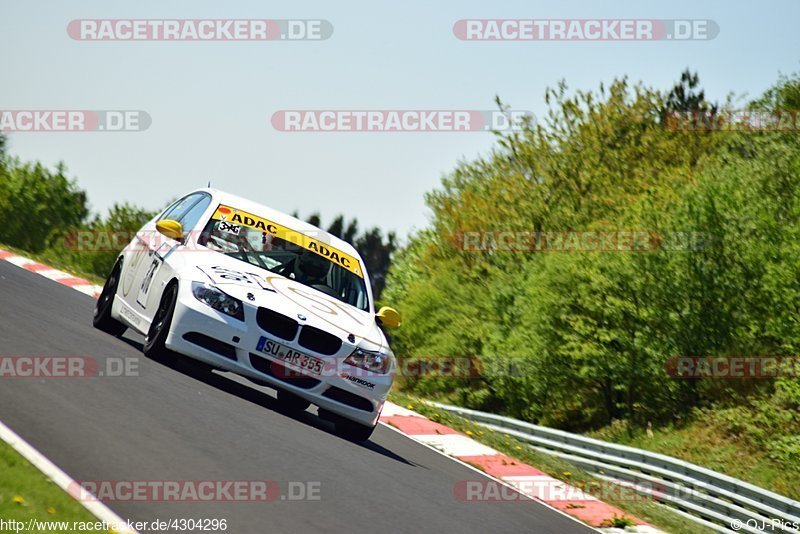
column 312, row 265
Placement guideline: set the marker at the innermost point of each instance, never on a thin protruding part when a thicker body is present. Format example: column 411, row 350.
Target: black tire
column 196, row 366
column 291, row 402
column 349, row 430
column 102, row 319
column 154, row 346
column 352, row 431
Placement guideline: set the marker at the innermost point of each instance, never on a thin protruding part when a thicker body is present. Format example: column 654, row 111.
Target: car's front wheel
column 349, row 430
column 154, row 343
column 353, row 431
column 102, row 309
column 291, row 402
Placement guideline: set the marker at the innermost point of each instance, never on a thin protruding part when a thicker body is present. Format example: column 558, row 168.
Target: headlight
column 217, row 299
column 376, row 362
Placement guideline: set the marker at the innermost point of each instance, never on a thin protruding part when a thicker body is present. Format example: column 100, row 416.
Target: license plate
column 289, row 355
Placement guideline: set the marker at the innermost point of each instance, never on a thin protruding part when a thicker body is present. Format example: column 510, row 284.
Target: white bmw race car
column 243, row 288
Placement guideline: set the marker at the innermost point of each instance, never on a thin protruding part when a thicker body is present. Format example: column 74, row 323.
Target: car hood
column 259, row 287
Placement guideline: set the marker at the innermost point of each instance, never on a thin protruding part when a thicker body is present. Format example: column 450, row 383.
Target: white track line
column 60, row 478
column 19, row 261
column 40, row 461
column 104, row 513
column 456, row 444
column 54, row 274
column 92, row 291
column 487, row 475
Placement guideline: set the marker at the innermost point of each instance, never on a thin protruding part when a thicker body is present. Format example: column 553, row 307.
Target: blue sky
column 211, row 101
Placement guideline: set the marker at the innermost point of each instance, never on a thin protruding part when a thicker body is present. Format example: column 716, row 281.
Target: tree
column 38, row 205
column 686, row 95
column 590, row 333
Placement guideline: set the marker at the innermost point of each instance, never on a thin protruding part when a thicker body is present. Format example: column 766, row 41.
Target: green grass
column 698, row 442
column 646, row 510
column 49, row 258
column 25, row 493
column 705, row 444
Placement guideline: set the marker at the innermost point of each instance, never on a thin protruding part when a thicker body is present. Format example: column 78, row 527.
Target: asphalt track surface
column 170, row 423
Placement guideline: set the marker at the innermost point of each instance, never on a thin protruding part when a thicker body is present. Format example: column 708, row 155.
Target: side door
column 154, row 269
column 140, row 250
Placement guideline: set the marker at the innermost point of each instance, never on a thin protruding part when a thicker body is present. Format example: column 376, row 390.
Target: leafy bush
column 38, row 206
column 594, row 330
column 106, row 237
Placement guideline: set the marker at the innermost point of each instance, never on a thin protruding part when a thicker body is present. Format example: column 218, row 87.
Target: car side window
column 180, row 208
column 190, row 219
column 168, row 210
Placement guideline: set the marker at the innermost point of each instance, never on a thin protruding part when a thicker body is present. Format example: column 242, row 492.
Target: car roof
column 282, row 218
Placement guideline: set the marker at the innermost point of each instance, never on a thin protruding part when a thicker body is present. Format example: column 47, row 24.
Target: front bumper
column 201, row 332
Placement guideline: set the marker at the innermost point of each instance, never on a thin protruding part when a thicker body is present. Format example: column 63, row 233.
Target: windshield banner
column 237, row 218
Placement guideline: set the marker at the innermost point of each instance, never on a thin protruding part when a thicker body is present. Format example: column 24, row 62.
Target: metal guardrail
column 702, row 495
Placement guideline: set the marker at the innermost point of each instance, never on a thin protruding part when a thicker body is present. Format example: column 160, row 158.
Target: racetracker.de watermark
column 73, row 120
column 733, row 120
column 67, row 367
column 194, row 490
column 399, row 120
column 148, row 240
column 200, row 29
column 577, row 241
column 733, row 367
column 549, row 489
column 585, row 29
column 465, row 367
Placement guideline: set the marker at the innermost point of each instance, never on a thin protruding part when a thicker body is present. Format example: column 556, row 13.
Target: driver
column 311, row 268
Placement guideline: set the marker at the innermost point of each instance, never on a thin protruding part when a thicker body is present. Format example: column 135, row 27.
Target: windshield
column 288, row 253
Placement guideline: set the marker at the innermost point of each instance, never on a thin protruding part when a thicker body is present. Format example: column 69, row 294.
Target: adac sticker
column 232, row 216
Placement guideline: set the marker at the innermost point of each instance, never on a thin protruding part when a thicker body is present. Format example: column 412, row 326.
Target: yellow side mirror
column 170, row 228
column 388, row 317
